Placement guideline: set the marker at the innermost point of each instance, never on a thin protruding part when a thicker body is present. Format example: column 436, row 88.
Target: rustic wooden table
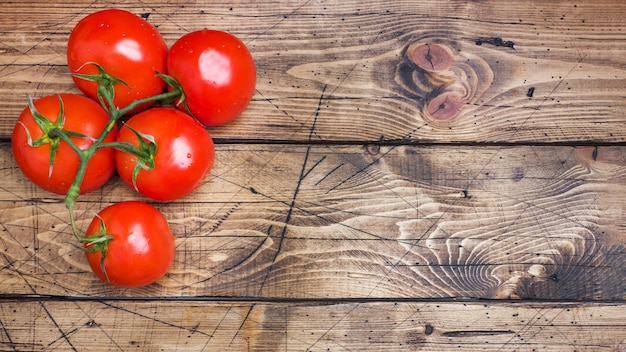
column 362, row 202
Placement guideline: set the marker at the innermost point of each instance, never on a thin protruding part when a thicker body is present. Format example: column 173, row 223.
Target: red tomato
column 126, row 46
column 142, row 248
column 216, row 72
column 184, row 153
column 82, row 115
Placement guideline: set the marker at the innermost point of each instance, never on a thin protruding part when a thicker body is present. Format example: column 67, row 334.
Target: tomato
column 81, row 115
column 184, row 154
column 141, row 250
column 126, row 46
column 216, row 72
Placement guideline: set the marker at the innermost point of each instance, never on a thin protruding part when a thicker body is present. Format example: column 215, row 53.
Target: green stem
column 127, row 148
column 74, row 191
column 55, row 132
column 163, row 96
column 84, row 156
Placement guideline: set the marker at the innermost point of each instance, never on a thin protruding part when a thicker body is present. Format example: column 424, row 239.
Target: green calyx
column 175, row 86
column 98, row 243
column 106, row 84
column 145, row 157
column 52, row 132
column 145, row 152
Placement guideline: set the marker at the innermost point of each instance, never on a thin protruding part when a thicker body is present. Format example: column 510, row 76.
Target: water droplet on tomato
column 188, row 155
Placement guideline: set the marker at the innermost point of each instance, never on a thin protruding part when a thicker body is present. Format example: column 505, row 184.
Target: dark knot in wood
column 442, row 80
column 445, row 106
column 431, row 57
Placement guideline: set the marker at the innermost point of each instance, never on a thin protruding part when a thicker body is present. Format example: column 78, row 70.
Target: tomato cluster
column 144, row 114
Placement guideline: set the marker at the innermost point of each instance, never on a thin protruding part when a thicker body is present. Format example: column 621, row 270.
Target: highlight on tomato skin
column 217, row 74
column 142, row 249
column 126, row 46
column 82, row 115
column 184, row 156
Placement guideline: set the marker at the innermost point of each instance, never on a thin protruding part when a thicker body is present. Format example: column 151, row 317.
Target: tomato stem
column 163, row 96
column 72, row 195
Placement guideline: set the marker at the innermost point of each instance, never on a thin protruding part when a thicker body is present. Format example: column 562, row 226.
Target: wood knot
column 442, row 80
column 428, row 329
column 445, row 106
column 431, row 57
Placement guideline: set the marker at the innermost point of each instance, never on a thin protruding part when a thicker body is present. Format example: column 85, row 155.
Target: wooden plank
column 343, row 69
column 538, row 222
column 309, row 326
column 359, row 221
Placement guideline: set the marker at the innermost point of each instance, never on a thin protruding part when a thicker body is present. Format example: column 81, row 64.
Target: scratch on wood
column 271, row 101
column 317, row 112
column 156, row 320
column 530, row 325
column 226, row 215
column 474, row 333
column 243, row 322
column 248, row 256
column 282, row 19
column 8, row 336
column 329, row 173
column 292, row 205
column 63, row 336
column 314, row 165
column 517, row 128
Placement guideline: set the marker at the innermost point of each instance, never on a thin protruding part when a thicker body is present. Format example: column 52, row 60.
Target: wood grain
column 349, row 221
column 349, row 62
column 295, row 326
column 410, row 175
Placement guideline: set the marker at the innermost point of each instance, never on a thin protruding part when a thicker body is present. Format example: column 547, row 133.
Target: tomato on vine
column 126, row 46
column 70, row 144
column 170, row 153
column 132, row 244
column 49, row 161
column 216, row 72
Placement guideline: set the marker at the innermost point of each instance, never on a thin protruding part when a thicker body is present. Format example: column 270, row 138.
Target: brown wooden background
column 340, row 216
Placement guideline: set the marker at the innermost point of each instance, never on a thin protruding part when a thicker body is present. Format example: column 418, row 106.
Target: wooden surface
column 342, row 213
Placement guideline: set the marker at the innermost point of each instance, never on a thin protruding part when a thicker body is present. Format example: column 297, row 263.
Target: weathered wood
column 374, row 213
column 352, row 221
column 310, row 326
column 343, row 69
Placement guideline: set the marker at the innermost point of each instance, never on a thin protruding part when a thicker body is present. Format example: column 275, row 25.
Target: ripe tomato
column 184, row 154
column 216, row 72
column 142, row 248
column 126, row 46
column 81, row 115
